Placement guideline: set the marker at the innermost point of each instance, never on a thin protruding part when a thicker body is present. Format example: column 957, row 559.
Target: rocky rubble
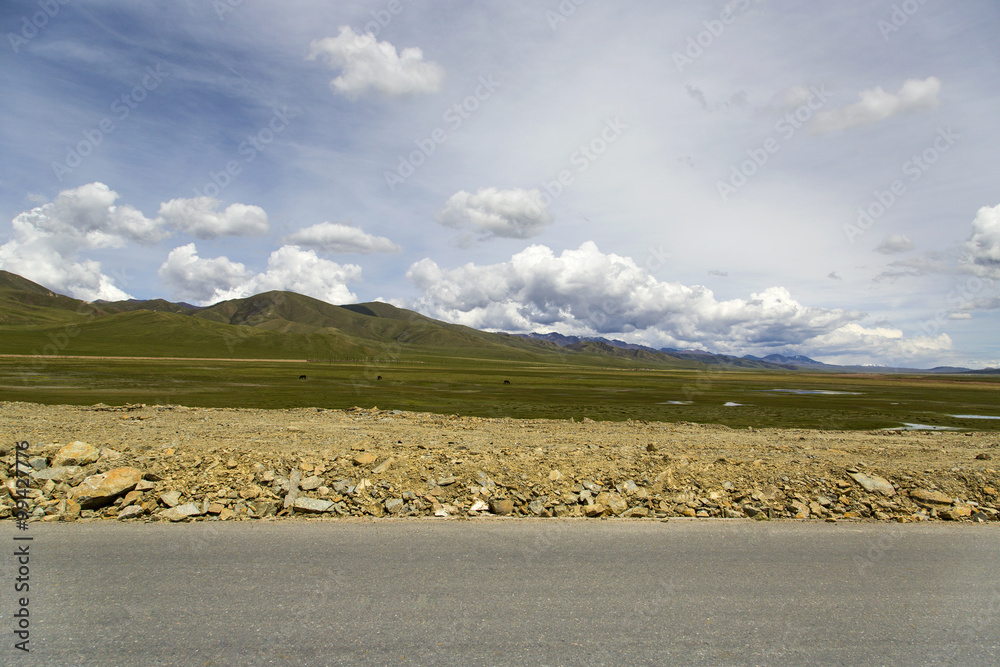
column 372, row 463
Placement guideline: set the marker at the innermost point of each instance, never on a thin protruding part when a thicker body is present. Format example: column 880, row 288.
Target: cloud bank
column 585, row 291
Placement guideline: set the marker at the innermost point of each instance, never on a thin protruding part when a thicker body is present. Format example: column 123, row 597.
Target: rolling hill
column 272, row 325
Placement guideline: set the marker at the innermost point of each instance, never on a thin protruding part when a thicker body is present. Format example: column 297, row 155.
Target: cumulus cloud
column 201, row 218
column 48, row 239
column 983, row 245
column 492, row 213
column 334, row 237
column 367, row 65
column 198, row 280
column 207, row 281
column 895, row 244
column 877, row 105
column 586, row 291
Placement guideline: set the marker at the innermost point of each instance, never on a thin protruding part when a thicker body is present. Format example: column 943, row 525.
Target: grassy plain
column 472, row 386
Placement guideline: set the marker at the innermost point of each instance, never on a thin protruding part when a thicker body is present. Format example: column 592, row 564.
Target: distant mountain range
column 788, row 362
column 287, row 325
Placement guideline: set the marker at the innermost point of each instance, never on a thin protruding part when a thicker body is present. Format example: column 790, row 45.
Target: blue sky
column 746, row 177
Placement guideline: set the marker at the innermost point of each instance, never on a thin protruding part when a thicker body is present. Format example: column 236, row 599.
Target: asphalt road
column 500, row 592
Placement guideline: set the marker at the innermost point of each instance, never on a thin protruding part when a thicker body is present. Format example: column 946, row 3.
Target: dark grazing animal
column 302, row 377
column 506, row 381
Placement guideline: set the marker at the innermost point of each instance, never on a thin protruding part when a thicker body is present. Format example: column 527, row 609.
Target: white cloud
column 201, row 218
column 366, row 65
column 334, row 237
column 983, row 245
column 201, row 281
column 586, row 291
column 877, row 105
column 87, row 217
column 48, row 239
column 207, row 281
column 895, row 244
column 492, row 213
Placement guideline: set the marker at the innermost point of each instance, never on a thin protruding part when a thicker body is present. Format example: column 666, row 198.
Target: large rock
column 616, row 503
column 57, row 474
column 502, row 506
column 171, row 498
column 959, row 511
column 181, row 512
column 293, row 488
column 364, row 459
column 394, row 505
column 925, row 497
column 250, row 492
column 311, row 483
column 76, row 454
column 130, row 512
column 100, row 490
column 873, row 483
column 312, row 505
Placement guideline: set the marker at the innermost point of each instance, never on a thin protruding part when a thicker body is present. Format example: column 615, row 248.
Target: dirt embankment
column 149, row 463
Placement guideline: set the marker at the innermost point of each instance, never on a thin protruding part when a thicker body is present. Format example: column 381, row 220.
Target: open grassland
column 475, row 387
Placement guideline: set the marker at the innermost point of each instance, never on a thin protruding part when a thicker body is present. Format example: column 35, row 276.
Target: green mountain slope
column 143, row 333
column 272, row 325
column 25, row 302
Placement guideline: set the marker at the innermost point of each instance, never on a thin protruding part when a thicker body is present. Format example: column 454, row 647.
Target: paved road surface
column 495, row 592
